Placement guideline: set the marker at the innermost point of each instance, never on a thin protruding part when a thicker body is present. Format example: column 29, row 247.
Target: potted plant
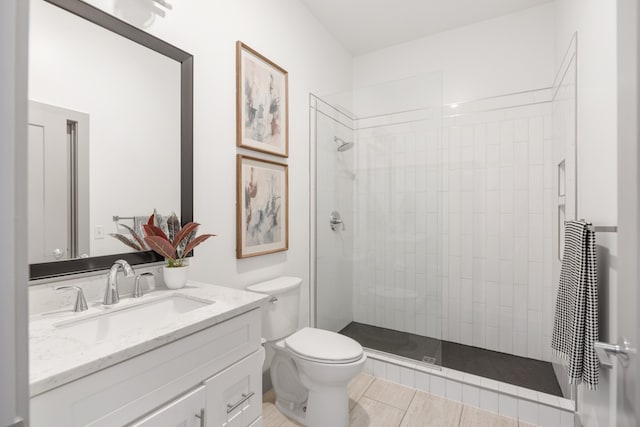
column 174, row 248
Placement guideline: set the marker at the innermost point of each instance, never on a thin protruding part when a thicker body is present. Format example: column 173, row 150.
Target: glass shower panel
column 395, row 282
column 332, row 132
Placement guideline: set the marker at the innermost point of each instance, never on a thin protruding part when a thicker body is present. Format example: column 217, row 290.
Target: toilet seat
column 318, row 345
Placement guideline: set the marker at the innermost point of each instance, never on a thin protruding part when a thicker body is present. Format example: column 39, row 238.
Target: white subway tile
column 493, row 293
column 493, row 315
column 471, row 395
column 521, row 130
column 466, row 136
column 466, row 333
column 453, row 390
column 521, row 213
column 506, row 201
column 508, row 406
column 566, row 404
column 466, row 177
column 548, row 399
column 492, row 336
column 535, row 285
column 393, row 373
column 422, row 380
column 520, row 344
column 528, row 393
column 528, row 411
column 368, row 366
column 437, row 386
column 489, row 400
column 506, row 273
column 380, row 369
column 493, row 132
column 407, row 376
column 506, row 178
column 548, row 127
column 567, row 419
column 549, row 416
column 493, row 178
column 493, row 156
column 472, row 379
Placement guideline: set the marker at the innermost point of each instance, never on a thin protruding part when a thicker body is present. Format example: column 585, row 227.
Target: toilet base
column 318, row 402
column 303, row 413
column 297, row 413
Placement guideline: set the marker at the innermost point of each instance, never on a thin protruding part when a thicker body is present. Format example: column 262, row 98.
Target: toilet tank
column 280, row 313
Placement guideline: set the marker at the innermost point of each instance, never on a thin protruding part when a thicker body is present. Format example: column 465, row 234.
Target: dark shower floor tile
column 516, row 370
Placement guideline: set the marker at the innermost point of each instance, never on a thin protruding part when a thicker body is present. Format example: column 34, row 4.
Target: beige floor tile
column 290, row 423
column 357, row 387
column 390, row 393
column 474, row 417
column 523, row 424
column 371, row 413
column 271, row 416
column 428, row 410
column 269, row 396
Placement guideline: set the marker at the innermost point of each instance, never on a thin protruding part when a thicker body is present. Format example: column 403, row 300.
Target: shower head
column 342, row 144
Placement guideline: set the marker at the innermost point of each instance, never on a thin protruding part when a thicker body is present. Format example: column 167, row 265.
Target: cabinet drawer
column 234, row 396
column 185, row 411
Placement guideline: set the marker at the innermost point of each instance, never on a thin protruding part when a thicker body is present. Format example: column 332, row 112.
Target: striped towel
column 575, row 327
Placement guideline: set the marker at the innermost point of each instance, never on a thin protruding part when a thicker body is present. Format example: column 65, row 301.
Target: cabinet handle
column 243, row 398
column 201, row 417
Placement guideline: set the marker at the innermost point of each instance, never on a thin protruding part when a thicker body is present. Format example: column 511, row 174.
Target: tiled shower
column 448, row 214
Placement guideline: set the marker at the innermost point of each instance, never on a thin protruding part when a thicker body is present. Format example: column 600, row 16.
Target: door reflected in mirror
column 104, row 135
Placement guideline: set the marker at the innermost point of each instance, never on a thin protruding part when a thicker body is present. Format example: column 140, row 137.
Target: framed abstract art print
column 262, row 110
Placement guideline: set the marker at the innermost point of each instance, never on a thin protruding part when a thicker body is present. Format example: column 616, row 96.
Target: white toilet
column 310, row 368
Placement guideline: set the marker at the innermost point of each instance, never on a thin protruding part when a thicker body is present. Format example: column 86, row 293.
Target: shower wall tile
column 453, row 234
column 505, row 181
column 398, row 168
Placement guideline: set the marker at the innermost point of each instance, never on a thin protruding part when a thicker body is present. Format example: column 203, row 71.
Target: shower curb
column 493, row 396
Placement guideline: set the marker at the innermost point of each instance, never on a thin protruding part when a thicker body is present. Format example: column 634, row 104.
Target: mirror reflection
column 104, row 135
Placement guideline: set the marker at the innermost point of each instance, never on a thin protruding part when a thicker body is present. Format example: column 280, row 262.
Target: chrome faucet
column 81, row 302
column 111, row 295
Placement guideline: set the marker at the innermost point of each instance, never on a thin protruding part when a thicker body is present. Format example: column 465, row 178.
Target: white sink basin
column 115, row 321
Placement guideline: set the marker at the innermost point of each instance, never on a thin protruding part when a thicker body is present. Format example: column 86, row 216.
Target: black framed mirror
column 114, row 25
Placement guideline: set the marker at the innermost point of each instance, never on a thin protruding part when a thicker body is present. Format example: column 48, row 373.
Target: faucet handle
column 81, row 302
column 137, row 289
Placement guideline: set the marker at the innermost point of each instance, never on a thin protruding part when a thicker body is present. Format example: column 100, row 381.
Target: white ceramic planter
column 175, row 277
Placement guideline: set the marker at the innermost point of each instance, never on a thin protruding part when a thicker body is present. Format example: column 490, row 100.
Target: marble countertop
column 57, row 358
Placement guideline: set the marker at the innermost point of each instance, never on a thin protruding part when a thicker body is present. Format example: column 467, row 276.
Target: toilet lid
column 323, row 346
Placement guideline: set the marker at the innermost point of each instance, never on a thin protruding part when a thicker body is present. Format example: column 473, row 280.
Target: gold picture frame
column 262, row 208
column 262, row 103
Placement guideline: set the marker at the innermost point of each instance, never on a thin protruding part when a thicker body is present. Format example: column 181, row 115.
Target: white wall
column 595, row 23
column 285, row 32
column 503, row 55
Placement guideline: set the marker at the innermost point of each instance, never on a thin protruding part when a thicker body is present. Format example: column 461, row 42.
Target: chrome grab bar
column 621, row 351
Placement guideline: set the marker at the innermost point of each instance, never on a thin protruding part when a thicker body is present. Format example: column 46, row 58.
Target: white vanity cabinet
column 212, row 377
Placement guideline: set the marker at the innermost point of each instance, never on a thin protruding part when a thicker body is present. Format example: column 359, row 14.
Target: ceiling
column 366, row 25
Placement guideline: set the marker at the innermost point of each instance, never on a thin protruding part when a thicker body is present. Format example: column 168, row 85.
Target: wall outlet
column 99, row 232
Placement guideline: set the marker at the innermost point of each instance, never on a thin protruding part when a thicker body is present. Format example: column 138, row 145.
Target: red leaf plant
column 174, row 248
